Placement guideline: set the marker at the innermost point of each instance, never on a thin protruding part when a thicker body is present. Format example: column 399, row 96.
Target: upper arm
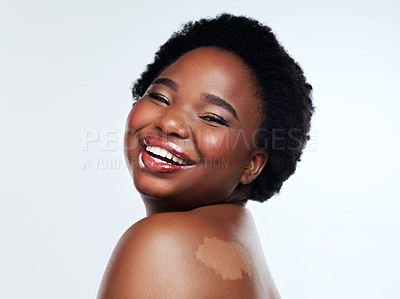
column 145, row 263
column 156, row 258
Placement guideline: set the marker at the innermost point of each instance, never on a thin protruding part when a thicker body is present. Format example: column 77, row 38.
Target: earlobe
column 254, row 167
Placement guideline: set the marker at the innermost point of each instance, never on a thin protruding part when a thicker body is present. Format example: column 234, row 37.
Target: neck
column 155, row 206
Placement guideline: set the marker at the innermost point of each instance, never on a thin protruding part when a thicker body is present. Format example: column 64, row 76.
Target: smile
column 160, row 155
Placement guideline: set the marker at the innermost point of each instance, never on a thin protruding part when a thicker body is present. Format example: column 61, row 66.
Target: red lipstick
column 160, row 155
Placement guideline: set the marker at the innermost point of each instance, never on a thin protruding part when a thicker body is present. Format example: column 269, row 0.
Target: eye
column 159, row 97
column 215, row 119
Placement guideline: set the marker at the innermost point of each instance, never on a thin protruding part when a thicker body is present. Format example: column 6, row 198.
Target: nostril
column 175, row 135
column 181, row 134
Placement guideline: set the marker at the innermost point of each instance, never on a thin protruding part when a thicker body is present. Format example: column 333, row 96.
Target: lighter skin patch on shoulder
column 227, row 259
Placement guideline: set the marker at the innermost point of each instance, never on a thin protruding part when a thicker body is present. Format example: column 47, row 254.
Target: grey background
column 65, row 70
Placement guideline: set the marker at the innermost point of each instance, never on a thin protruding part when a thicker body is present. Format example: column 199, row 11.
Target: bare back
column 209, row 252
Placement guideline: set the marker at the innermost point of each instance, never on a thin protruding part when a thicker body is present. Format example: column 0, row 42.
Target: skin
column 194, row 216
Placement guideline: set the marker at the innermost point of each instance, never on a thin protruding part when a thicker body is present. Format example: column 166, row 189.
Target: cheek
column 221, row 144
column 138, row 117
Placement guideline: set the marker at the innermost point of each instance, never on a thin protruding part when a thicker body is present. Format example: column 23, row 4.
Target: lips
column 160, row 155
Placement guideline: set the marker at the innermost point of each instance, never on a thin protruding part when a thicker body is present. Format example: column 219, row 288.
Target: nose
column 174, row 123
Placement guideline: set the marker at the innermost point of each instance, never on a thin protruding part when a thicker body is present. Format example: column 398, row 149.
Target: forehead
column 210, row 64
column 217, row 72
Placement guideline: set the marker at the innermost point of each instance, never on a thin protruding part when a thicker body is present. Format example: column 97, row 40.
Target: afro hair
column 284, row 92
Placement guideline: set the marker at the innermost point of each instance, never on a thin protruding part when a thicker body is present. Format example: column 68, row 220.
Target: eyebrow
column 213, row 99
column 205, row 97
column 167, row 82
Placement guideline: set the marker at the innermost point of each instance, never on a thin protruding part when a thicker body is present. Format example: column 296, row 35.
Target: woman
column 221, row 117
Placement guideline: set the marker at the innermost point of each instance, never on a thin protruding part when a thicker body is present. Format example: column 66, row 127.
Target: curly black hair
column 286, row 96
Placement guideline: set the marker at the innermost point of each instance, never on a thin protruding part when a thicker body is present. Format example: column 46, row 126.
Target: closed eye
column 215, row 119
column 159, row 97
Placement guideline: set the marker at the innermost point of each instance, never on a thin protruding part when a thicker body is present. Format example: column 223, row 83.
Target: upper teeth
column 163, row 153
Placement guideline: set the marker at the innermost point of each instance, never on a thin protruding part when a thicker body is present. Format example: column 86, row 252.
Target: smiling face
column 189, row 139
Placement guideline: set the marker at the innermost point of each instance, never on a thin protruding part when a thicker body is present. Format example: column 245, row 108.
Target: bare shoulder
column 181, row 255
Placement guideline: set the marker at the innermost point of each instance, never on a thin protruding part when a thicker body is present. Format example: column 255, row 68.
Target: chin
column 154, row 189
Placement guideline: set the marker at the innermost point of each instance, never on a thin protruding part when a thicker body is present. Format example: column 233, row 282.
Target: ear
column 254, row 167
